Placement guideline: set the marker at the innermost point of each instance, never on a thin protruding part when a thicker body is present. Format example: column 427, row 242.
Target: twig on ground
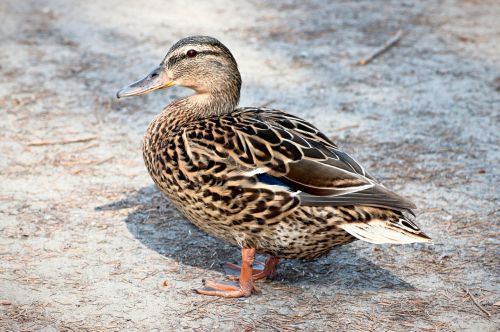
column 476, row 302
column 67, row 141
column 201, row 305
column 267, row 103
column 387, row 45
column 103, row 161
column 430, row 210
column 86, row 147
column 85, row 162
column 346, row 127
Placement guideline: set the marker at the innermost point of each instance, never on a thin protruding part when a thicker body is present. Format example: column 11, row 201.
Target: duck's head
column 201, row 63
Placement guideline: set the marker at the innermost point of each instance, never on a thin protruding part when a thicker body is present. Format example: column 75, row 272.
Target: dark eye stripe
column 175, row 59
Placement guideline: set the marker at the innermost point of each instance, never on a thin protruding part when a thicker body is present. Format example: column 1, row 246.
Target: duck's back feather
column 296, row 153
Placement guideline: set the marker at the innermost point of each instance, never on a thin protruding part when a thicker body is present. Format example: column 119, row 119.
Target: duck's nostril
column 153, row 75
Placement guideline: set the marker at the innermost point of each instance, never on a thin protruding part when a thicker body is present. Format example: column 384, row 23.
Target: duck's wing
column 291, row 151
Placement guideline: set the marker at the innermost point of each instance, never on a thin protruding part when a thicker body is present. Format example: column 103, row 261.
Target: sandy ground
column 88, row 243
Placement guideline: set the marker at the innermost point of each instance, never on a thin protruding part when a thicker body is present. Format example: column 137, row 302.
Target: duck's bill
column 154, row 81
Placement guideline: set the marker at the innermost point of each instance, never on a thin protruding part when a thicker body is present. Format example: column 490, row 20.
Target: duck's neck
column 198, row 106
column 203, row 105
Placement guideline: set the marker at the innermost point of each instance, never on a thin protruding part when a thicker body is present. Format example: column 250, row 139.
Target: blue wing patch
column 268, row 179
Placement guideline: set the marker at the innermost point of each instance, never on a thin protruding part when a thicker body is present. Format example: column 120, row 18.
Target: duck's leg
column 231, row 289
column 268, row 270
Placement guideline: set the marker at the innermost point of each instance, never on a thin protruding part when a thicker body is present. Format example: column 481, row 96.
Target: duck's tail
column 396, row 229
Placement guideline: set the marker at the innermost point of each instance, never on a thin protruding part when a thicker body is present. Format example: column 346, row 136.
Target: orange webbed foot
column 226, row 289
column 244, row 287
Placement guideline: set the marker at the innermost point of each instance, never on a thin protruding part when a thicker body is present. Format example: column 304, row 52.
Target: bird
column 264, row 180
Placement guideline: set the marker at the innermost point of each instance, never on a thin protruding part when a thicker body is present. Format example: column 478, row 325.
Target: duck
column 261, row 179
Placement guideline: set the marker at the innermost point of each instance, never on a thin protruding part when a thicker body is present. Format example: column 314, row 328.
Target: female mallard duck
column 259, row 178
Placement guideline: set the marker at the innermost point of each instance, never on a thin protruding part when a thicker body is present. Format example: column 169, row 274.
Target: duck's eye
column 191, row 53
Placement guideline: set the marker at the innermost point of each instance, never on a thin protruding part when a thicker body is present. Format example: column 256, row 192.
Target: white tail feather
column 379, row 232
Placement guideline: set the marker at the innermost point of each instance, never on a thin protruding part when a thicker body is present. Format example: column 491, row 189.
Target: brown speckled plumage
column 201, row 165
column 256, row 177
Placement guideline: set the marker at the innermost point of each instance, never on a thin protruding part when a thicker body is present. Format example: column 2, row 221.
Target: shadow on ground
column 158, row 225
